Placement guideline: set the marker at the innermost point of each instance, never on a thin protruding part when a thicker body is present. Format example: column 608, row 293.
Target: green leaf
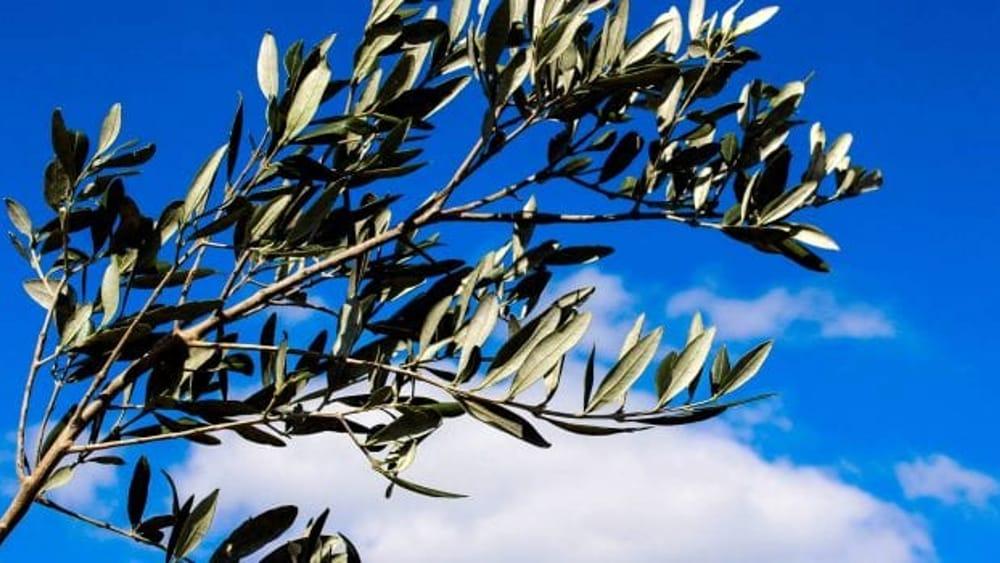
column 58, row 478
column 588, row 376
column 502, row 419
column 254, row 533
column 480, row 327
column 838, row 152
column 625, row 372
column 57, row 185
column 110, row 287
column 195, row 526
column 746, row 368
column 755, row 20
column 459, row 16
column 512, row 354
column 306, row 101
column 577, row 255
column 720, row 369
column 42, row 292
column 647, row 42
column 622, row 156
column 666, row 112
column 419, row 489
column 632, row 338
column 77, row 323
column 197, row 194
column 696, row 14
column 788, row 203
column 513, row 76
column 549, row 352
column 267, row 66
column 591, row 430
column 138, row 492
column 110, row 128
column 134, row 157
column 235, row 137
column 18, row 217
column 410, row 424
column 688, row 366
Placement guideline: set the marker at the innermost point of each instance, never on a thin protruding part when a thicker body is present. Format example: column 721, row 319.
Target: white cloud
column 690, row 494
column 941, row 478
column 775, row 311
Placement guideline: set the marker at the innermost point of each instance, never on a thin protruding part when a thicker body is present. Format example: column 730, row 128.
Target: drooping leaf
column 622, row 156
column 502, row 419
column 138, row 492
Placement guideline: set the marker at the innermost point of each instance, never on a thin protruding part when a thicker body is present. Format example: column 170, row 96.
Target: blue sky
column 911, row 80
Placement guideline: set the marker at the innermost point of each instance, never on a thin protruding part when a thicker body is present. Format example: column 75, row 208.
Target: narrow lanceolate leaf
column 432, row 321
column 306, row 102
column 788, row 203
column 588, row 376
column 110, row 287
column 138, row 492
column 197, row 195
column 110, row 127
column 76, row 324
column 814, row 236
column 838, row 152
column 687, row 366
column 254, row 533
column 591, row 430
column 418, row 488
column 512, row 355
column 696, row 14
column 696, row 328
column 666, row 113
column 267, row 66
column 18, row 216
column 411, row 424
column 622, row 156
column 746, row 368
column 549, row 352
column 755, row 20
column 625, row 372
column 42, row 292
column 459, row 16
column 503, row 419
column 195, row 526
column 647, row 42
column 58, row 478
column 480, row 327
column 633, row 336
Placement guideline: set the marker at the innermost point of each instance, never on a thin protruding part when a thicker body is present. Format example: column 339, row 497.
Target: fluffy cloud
column 775, row 311
column 943, row 479
column 697, row 493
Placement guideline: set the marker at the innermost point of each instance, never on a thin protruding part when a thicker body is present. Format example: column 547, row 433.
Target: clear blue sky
column 914, row 80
